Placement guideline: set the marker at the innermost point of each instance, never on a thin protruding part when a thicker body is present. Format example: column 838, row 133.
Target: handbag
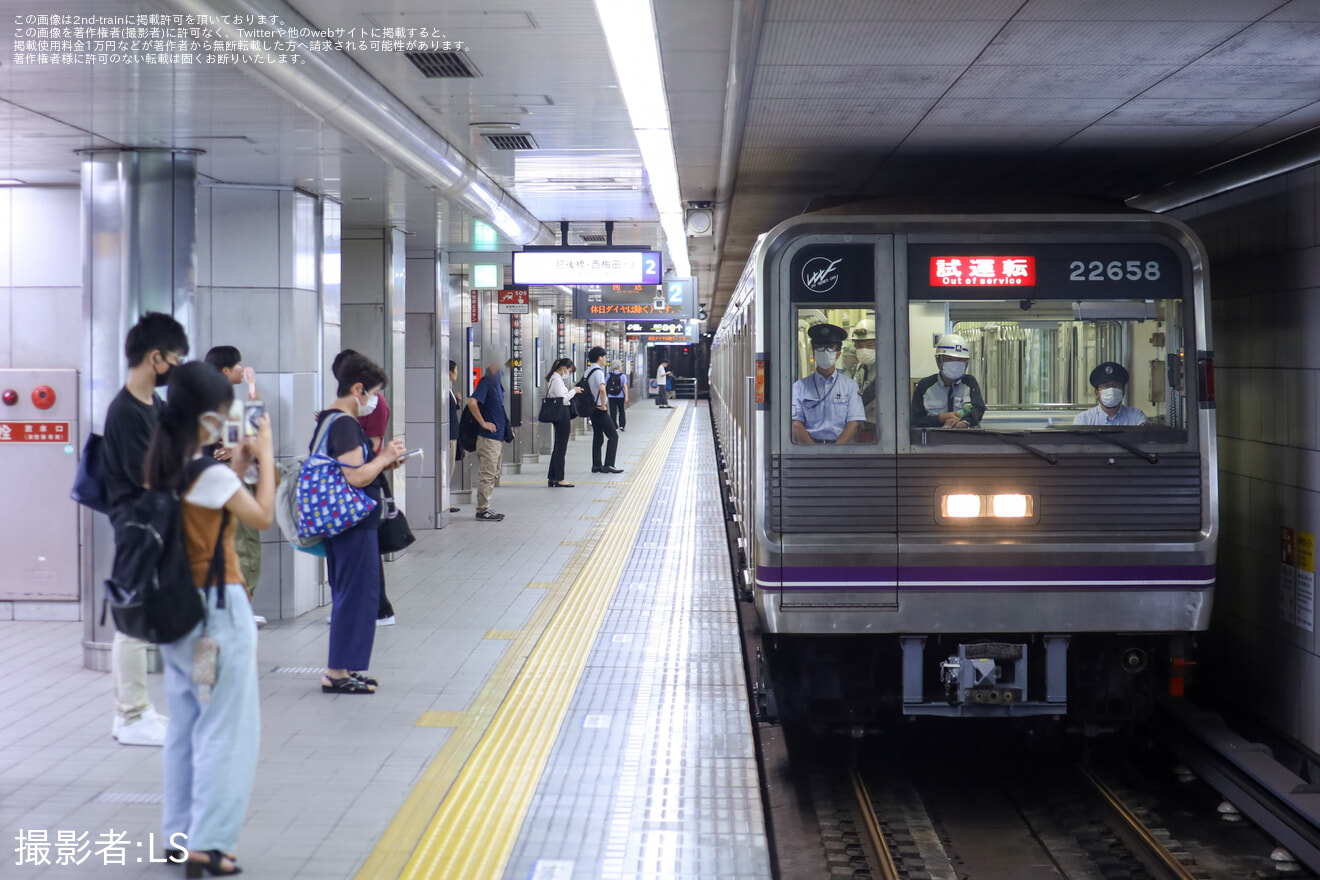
column 394, row 535
column 553, row 410
column 89, row 487
column 328, row 504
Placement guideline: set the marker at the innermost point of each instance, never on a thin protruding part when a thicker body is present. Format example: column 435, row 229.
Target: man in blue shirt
column 1109, row 381
column 827, row 405
column 487, row 405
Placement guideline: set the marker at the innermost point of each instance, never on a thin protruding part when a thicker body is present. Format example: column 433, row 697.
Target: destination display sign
column 656, row 328
column 575, row 265
column 1072, row 271
column 629, row 302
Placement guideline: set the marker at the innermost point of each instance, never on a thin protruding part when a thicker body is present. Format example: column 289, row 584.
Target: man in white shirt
column 661, row 382
column 1109, row 381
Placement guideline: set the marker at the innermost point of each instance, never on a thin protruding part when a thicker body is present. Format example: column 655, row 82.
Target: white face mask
column 1111, row 397
column 825, row 358
column 953, row 370
column 214, row 424
column 866, row 356
column 366, row 409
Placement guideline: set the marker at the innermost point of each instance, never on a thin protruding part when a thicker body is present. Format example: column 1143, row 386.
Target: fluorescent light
column 629, row 27
column 11, row 181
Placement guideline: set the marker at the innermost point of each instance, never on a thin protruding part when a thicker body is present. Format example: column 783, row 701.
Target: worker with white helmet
column 952, row 397
column 863, row 340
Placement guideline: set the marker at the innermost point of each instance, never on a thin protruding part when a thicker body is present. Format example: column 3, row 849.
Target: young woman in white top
column 559, row 388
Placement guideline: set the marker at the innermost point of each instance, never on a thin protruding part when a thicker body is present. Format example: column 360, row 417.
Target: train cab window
column 834, row 376
column 1022, row 365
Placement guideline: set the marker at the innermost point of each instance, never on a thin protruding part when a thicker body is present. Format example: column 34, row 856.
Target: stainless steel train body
column 1112, row 530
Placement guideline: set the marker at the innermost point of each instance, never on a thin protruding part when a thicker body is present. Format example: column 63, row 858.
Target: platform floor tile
column 334, row 771
column 654, row 771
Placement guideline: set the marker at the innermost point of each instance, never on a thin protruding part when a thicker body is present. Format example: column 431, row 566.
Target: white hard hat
column 953, row 345
column 865, row 329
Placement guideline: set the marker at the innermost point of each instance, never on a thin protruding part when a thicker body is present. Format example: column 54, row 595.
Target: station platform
column 563, row 697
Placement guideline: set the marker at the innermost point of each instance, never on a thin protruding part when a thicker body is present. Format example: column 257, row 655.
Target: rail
column 685, row 389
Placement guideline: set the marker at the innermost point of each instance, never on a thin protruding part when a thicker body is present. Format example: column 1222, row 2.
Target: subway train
column 1021, row 561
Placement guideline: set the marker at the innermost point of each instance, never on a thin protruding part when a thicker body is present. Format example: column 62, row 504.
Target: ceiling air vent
column 443, row 65
column 511, row 141
column 593, row 238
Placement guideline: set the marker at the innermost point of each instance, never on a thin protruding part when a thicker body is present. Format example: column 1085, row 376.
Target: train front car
column 975, row 461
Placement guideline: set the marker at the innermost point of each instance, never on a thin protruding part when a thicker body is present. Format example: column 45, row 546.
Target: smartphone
column 253, row 410
column 411, row 452
column 232, row 435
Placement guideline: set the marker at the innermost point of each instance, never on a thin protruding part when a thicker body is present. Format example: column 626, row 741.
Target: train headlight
column 961, row 506
column 973, row 506
column 1011, row 505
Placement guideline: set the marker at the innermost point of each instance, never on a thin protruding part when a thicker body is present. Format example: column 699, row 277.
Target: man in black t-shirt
column 155, row 345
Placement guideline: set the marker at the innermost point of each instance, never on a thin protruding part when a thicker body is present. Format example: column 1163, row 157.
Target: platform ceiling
column 848, row 98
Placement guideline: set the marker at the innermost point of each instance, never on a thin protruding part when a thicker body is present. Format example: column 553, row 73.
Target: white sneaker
column 143, row 732
column 385, row 621
column 260, row 621
column 151, row 713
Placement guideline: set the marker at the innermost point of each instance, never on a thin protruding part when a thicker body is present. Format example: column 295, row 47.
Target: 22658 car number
column 1114, row 270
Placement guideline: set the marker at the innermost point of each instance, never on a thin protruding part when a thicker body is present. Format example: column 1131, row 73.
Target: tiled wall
column 40, row 278
column 258, row 251
column 1265, row 283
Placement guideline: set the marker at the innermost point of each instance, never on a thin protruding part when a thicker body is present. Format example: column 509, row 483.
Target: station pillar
column 139, row 218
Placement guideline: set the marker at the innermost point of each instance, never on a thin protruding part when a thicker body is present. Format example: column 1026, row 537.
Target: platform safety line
column 401, row 837
column 474, row 831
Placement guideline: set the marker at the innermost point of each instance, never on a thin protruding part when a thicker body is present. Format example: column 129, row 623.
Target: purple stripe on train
column 1063, row 577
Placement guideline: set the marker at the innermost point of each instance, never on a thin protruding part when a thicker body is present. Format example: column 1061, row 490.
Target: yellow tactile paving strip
column 462, row 819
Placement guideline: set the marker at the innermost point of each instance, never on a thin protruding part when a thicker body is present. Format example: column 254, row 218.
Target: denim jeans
column 211, row 745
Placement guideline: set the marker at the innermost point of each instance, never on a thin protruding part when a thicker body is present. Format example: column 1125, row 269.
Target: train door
column 832, row 467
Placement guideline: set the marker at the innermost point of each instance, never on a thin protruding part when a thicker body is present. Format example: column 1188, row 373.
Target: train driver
column 827, row 407
column 1109, row 381
column 952, row 397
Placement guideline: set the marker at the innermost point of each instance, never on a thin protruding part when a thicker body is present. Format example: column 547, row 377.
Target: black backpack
column 584, row 403
column 614, row 384
column 151, row 591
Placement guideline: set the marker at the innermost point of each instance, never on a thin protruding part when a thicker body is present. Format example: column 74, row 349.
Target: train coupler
column 986, row 678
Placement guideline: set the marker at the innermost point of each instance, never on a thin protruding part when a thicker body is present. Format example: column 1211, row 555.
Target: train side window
column 1023, row 365
column 834, row 376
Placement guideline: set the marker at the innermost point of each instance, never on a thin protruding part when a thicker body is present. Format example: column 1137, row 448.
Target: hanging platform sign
column 576, row 265
column 630, row 302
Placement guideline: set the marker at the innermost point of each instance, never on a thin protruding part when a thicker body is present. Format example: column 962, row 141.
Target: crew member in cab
column 827, row 406
column 1110, row 381
column 863, row 340
column 952, row 397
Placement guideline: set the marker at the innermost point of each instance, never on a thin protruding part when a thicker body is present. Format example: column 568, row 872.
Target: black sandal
column 346, row 685
column 368, row 681
column 213, row 865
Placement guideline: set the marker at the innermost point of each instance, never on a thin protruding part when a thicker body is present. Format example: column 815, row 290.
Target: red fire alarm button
column 10, row 397
column 43, row 397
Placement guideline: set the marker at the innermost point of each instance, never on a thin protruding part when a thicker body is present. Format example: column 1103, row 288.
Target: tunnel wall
column 1265, row 286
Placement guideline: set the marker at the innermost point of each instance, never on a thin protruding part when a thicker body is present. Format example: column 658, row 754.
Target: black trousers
column 618, row 412
column 602, row 427
column 385, row 609
column 562, row 429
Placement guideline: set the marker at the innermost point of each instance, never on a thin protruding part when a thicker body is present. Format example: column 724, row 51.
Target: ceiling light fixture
column 629, row 27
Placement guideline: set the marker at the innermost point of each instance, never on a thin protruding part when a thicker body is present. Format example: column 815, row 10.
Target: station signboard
column 634, row 302
column 576, row 265
column 656, row 328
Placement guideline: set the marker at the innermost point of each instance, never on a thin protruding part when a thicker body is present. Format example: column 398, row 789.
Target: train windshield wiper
column 1151, row 457
column 1017, row 440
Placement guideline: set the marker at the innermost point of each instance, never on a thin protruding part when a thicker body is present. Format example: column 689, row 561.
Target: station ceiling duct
column 336, row 89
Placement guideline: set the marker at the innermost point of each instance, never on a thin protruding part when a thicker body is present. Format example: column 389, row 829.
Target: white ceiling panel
column 694, row 25
column 687, row 71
